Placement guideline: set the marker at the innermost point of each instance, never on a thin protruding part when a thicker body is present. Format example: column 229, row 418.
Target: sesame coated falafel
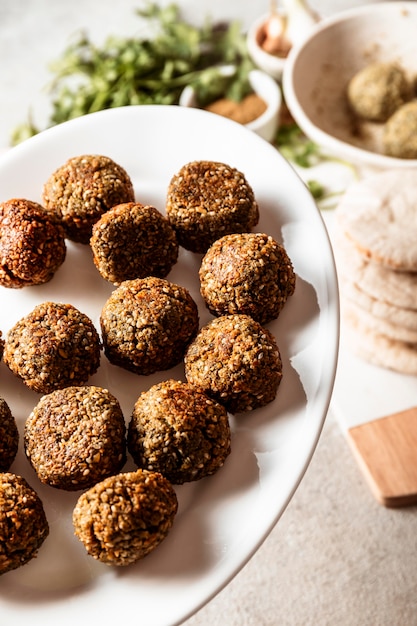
column 209, row 199
column 400, row 132
column 147, row 324
column 23, row 524
column 377, row 90
column 235, row 361
column 75, row 437
column 84, row 188
column 32, row 244
column 9, row 436
column 179, row 431
column 247, row 273
column 54, row 346
column 133, row 241
column 125, row 517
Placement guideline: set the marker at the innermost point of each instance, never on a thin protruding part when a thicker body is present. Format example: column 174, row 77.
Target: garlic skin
column 300, row 20
column 287, row 27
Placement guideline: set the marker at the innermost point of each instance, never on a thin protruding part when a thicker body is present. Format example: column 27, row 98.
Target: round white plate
column 223, row 519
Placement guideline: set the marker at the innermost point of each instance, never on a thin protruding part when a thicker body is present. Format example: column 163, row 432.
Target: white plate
column 222, row 520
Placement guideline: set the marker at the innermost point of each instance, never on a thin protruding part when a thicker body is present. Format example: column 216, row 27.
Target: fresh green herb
column 151, row 70
column 296, row 147
column 325, row 198
column 317, row 190
column 305, row 153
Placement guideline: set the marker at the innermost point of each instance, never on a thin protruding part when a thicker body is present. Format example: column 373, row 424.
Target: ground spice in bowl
column 246, row 110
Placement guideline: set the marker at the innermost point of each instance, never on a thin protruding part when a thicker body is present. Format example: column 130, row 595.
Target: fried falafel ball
column 400, row 132
column 52, row 347
column 179, row 431
column 147, row 324
column 133, row 241
column 75, row 437
column 236, row 361
column 84, row 188
column 125, row 517
column 209, row 199
column 9, row 436
column 376, row 91
column 247, row 273
column 23, row 523
column 32, row 244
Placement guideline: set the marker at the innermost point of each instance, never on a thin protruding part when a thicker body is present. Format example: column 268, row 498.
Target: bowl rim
column 254, row 49
column 323, row 138
column 187, row 98
column 272, row 107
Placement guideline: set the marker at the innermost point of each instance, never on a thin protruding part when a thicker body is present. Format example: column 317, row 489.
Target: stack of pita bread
column 375, row 247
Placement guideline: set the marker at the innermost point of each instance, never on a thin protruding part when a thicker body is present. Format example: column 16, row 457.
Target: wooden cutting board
column 386, row 451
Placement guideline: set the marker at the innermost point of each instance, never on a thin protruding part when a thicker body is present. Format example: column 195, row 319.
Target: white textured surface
column 336, row 556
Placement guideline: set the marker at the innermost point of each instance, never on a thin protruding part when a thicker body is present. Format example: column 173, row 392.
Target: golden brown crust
column 179, row 431
column 236, row 361
column 75, row 437
column 147, row 324
column 133, row 241
column 208, row 199
column 247, row 273
column 84, row 188
column 23, row 524
column 32, row 244
column 125, row 517
column 52, row 347
column 9, row 436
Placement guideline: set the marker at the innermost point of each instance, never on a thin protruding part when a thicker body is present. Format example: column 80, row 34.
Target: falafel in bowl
column 353, row 73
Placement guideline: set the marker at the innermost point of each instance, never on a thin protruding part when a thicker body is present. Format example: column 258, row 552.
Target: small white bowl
column 317, row 72
column 267, row 124
column 269, row 63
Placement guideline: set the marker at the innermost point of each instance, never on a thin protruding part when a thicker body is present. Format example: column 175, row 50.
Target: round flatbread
column 383, row 310
column 377, row 324
column 397, row 288
column 379, row 216
column 378, row 349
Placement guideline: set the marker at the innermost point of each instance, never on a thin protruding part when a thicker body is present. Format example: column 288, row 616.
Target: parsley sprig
column 150, row 70
column 305, row 153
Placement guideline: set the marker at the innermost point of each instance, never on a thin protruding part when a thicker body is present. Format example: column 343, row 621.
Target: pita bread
column 377, row 324
column 393, row 287
column 379, row 214
column 378, row 349
column 389, row 312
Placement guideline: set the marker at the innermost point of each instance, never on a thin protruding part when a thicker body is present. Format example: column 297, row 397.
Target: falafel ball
column 32, row 244
column 147, row 324
column 376, row 91
column 133, row 241
column 84, row 188
column 23, row 523
column 208, row 199
column 400, row 132
column 247, row 273
column 9, row 436
column 125, row 517
column 179, row 431
column 75, row 437
column 236, row 361
column 52, row 347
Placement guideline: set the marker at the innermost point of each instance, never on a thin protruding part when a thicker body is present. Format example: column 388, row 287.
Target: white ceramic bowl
column 317, row 71
column 266, row 125
column 269, row 63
